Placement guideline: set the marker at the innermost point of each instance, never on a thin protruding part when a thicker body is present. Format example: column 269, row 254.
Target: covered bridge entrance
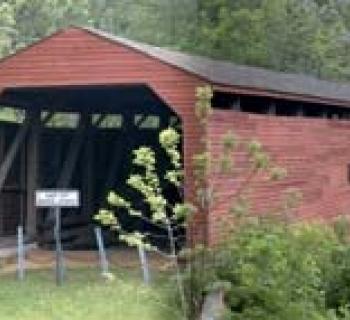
column 112, row 98
column 74, row 137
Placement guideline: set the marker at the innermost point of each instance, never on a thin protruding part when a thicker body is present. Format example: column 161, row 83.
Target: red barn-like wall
column 315, row 152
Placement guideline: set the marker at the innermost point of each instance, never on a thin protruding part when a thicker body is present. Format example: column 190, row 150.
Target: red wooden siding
column 316, row 153
column 77, row 57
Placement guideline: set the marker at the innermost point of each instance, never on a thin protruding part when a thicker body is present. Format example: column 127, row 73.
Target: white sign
column 63, row 198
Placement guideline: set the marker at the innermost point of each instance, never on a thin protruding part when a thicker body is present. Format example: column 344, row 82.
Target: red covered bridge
column 303, row 122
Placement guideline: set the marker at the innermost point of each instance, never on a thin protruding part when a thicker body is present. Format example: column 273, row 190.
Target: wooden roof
column 230, row 74
column 220, row 73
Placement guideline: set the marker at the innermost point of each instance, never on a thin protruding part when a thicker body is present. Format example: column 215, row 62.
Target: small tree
column 163, row 214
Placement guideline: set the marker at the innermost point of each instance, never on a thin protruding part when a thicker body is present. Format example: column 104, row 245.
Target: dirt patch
column 44, row 259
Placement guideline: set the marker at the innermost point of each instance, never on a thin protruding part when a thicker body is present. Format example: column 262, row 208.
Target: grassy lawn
column 86, row 296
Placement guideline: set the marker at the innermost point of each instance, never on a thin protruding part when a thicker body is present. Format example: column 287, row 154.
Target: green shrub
column 279, row 271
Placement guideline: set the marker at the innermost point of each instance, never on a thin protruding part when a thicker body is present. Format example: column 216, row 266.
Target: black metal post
column 59, row 251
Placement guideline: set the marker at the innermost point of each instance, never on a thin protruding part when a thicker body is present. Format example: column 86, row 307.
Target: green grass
column 85, row 295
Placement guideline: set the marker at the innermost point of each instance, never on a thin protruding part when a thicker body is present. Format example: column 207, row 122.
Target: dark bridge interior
column 84, row 140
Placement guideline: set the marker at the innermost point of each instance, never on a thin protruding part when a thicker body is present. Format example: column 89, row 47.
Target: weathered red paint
column 77, row 57
column 315, row 151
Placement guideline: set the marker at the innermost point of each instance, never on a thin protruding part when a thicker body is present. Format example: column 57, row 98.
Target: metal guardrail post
column 101, row 251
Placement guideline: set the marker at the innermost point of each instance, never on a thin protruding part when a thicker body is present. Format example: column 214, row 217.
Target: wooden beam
column 325, row 114
column 32, row 170
column 236, row 105
column 13, row 150
column 99, row 120
column 272, row 108
column 73, row 153
column 57, row 158
column 300, row 111
column 335, row 116
column 22, row 184
column 2, row 153
column 141, row 120
column 19, row 103
column 163, row 121
column 88, row 170
column 47, row 117
column 114, row 163
column 120, row 149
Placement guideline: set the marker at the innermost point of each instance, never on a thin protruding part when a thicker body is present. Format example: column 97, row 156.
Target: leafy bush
column 280, row 271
